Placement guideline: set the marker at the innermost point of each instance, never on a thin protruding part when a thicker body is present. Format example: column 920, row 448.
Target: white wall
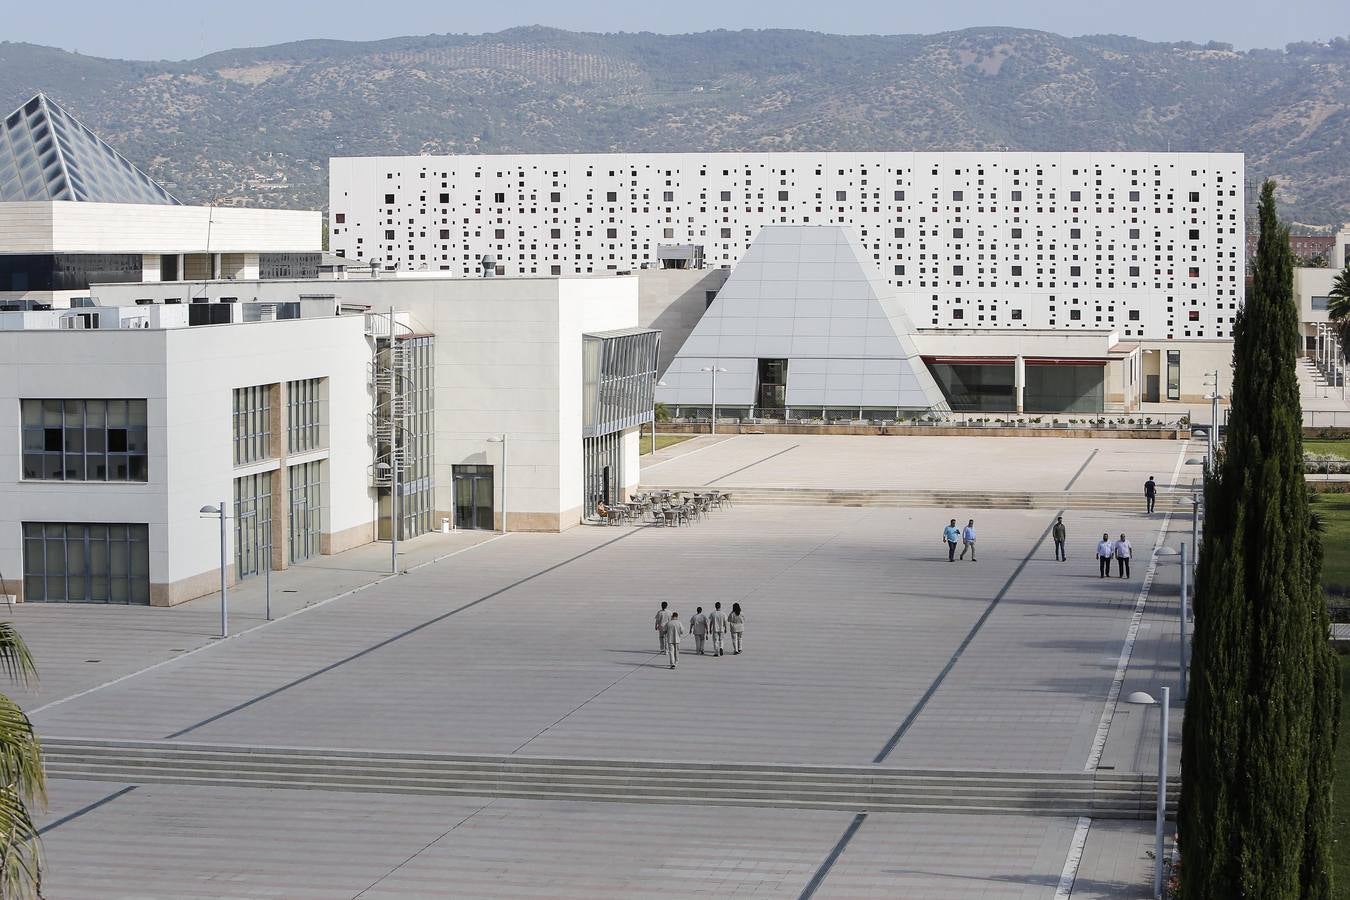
column 902, row 205
column 187, row 377
column 79, row 227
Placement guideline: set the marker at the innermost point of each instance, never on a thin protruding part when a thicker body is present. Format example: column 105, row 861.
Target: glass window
column 84, row 440
column 252, row 424
column 305, row 485
column 1173, row 374
column 252, row 523
column 84, row 563
column 303, row 414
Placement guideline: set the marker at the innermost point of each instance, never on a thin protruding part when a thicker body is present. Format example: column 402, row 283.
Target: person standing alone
column 717, row 626
column 1104, row 553
column 662, row 619
column 674, row 631
column 736, row 623
column 1123, row 553
column 951, row 534
column 1150, row 493
column 968, row 540
column 698, row 627
column 1060, row 534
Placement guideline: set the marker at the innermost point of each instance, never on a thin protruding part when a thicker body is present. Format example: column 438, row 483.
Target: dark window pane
column 52, row 440
column 117, row 440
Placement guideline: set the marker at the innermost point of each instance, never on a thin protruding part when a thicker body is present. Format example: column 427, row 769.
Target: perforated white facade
column 1146, row 244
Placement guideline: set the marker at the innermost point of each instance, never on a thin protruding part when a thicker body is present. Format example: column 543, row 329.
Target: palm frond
column 20, row 850
column 20, row 754
column 15, row 659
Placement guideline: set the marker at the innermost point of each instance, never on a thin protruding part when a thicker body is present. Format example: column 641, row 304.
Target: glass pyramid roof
column 48, row 154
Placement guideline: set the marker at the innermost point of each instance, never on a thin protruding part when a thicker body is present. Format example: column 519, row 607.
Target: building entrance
column 473, row 497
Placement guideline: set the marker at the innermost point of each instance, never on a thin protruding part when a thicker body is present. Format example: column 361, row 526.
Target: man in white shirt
column 1123, row 552
column 1105, row 550
column 662, row 618
column 717, row 626
column 674, row 632
column 968, row 540
column 698, row 627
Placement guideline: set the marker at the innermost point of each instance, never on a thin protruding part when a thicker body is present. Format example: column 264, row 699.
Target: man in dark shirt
column 1150, row 493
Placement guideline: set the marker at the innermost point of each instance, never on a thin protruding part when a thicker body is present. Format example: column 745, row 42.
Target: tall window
column 305, row 483
column 252, row 424
column 302, row 415
column 84, row 440
column 80, row 563
column 1173, row 374
column 252, row 523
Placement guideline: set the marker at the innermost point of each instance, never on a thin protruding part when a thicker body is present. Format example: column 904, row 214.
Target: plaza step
column 1108, row 501
column 1101, row 794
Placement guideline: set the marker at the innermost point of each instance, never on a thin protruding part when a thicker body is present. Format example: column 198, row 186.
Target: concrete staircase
column 1092, row 500
column 1101, row 795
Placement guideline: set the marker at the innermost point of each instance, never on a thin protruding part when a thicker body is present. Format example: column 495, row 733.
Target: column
column 1020, row 379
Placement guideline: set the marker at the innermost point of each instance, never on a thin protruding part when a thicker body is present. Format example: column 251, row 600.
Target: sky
column 172, row 29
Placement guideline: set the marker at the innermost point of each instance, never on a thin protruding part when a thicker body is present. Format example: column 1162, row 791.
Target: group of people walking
column 951, row 534
column 1107, row 550
column 705, row 627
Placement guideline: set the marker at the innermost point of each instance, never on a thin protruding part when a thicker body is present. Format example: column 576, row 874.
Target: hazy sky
column 173, row 29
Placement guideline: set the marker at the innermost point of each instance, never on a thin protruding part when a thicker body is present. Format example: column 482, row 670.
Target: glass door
column 473, row 491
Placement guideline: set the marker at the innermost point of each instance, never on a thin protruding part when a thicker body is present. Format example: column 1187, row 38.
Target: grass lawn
column 1340, row 830
column 1334, row 511
column 1328, row 448
column 662, row 441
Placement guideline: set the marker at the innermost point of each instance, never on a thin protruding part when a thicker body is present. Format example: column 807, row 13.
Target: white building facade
column 1149, row 245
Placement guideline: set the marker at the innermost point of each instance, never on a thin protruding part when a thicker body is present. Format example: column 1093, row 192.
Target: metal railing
column 974, row 420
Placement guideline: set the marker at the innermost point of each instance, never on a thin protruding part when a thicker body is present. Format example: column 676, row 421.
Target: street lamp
column 1182, row 652
column 713, row 370
column 501, row 439
column 1143, row 698
column 209, row 510
column 392, row 470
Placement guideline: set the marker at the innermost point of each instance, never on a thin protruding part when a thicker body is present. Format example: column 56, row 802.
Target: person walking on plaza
column 662, row 619
column 968, row 540
column 951, row 534
column 717, row 626
column 736, row 623
column 1123, row 552
column 1060, row 534
column 1150, row 493
column 698, row 627
column 674, row 631
column 1105, row 551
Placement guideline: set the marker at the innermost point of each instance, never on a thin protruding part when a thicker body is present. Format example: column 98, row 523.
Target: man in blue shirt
column 968, row 540
column 950, row 534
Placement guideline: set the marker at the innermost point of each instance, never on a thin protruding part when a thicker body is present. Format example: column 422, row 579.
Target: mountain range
column 257, row 126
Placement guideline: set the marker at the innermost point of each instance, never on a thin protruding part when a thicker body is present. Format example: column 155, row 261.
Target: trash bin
column 445, row 525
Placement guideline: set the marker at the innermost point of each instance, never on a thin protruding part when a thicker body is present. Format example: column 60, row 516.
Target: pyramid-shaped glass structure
column 48, row 154
column 808, row 296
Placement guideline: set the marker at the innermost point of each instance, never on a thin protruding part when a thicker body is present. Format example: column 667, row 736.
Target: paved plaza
column 864, row 646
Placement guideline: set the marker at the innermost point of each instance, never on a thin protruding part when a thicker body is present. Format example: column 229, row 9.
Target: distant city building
column 75, row 212
column 1303, row 246
column 1147, row 245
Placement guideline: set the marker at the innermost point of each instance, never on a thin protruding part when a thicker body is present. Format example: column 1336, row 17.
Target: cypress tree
column 1260, row 719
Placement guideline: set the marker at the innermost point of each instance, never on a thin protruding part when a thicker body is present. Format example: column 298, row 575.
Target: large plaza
column 864, row 649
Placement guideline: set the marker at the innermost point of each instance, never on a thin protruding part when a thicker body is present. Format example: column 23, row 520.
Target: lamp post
column 1145, row 699
column 1212, row 445
column 501, row 439
column 713, row 370
column 209, row 510
column 384, row 467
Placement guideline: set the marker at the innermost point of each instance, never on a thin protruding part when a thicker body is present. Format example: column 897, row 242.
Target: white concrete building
column 112, row 439
column 74, row 212
column 305, row 413
column 1148, row 245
